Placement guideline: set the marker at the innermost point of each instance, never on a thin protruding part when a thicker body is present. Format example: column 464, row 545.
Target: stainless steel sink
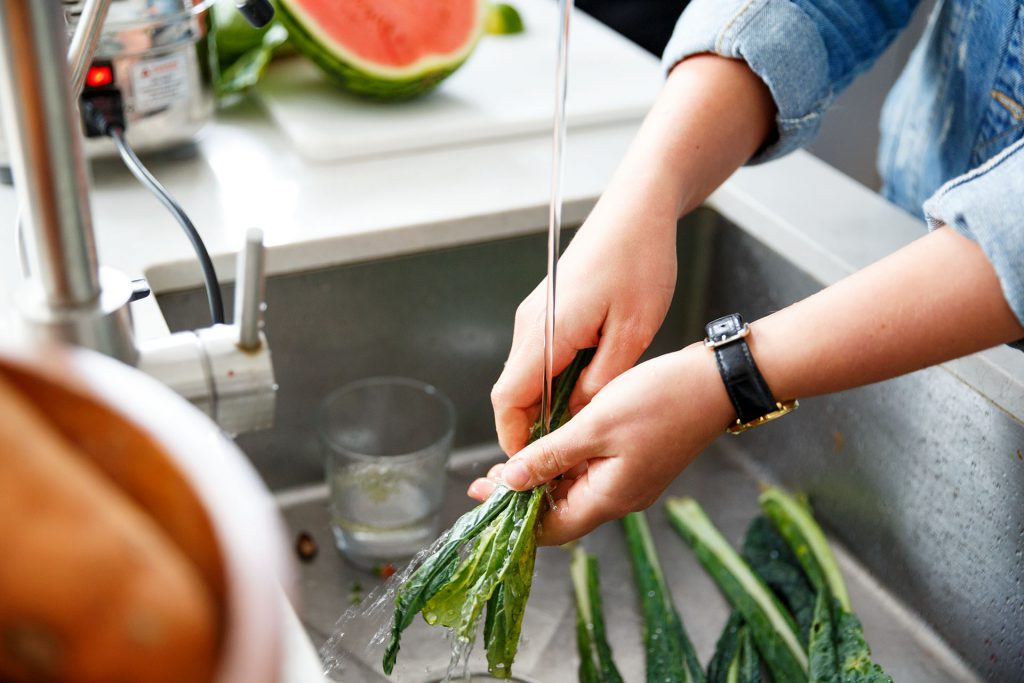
column 721, row 479
column 920, row 481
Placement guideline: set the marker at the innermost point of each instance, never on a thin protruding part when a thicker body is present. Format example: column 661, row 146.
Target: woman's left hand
column 621, row 451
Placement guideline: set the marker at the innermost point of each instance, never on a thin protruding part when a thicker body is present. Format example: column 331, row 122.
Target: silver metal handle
column 83, row 43
column 80, row 54
column 46, row 150
column 250, row 285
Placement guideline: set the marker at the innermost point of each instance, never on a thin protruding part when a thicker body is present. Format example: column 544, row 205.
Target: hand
column 617, row 277
column 623, row 449
column 900, row 314
column 615, row 285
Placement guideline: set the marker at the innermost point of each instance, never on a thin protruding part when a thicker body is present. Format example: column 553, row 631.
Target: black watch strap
column 747, row 389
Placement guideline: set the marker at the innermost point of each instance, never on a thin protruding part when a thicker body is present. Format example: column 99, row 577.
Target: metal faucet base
column 104, row 325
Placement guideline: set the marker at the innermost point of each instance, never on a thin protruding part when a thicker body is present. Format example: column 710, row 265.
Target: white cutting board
column 505, row 89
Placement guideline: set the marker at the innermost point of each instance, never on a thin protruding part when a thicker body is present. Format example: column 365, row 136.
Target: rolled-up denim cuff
column 987, row 206
column 780, row 43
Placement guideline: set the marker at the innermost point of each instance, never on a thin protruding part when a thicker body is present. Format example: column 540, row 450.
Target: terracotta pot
column 188, row 475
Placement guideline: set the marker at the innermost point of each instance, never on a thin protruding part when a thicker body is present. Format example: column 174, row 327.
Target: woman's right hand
column 616, row 279
column 615, row 284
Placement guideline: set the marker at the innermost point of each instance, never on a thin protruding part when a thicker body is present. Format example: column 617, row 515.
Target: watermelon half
column 386, row 49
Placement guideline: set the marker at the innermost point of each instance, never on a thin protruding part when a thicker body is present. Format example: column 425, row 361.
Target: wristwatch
column 749, row 393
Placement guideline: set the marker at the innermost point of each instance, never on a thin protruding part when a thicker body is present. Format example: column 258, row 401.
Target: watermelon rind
column 367, row 78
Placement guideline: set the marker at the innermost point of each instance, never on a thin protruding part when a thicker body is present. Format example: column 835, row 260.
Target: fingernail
column 516, row 474
column 481, row 487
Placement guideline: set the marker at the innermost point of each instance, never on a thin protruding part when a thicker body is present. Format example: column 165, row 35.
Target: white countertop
column 247, row 173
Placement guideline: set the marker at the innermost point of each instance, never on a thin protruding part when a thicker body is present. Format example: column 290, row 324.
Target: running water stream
column 555, row 209
column 367, row 625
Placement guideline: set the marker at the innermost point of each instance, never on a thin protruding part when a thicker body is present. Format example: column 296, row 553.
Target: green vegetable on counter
column 771, row 626
column 503, row 20
column 232, row 32
column 670, row 654
column 248, row 69
column 596, row 663
column 454, row 588
column 243, row 51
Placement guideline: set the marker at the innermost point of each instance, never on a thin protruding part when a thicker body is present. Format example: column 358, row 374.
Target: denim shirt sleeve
column 986, row 204
column 806, row 51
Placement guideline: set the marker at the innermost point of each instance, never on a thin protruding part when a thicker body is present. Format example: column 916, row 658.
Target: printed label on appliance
column 159, row 83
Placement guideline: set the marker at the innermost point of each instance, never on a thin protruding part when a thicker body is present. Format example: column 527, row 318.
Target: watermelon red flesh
column 385, row 48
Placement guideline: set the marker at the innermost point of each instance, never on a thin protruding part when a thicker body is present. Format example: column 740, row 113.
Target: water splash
column 366, row 627
column 458, row 661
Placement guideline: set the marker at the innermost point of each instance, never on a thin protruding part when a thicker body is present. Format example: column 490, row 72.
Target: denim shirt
column 952, row 126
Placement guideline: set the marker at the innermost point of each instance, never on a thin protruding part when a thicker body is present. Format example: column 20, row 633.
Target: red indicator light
column 99, row 76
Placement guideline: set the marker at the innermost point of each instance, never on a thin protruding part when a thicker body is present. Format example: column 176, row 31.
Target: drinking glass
column 386, row 442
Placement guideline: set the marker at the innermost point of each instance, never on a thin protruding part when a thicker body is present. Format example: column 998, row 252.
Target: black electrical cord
column 142, row 174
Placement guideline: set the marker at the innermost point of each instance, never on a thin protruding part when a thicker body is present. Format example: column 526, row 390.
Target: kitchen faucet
column 226, row 370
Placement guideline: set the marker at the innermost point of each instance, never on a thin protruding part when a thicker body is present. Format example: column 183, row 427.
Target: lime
column 503, row 19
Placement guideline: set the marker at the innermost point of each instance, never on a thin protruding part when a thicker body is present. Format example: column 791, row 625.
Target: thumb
column 546, row 458
column 577, row 512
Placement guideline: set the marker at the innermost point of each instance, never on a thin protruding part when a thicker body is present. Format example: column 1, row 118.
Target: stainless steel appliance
column 151, row 69
column 151, row 65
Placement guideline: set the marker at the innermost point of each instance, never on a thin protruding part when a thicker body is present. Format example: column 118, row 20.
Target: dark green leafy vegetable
column 823, row 665
column 596, row 664
column 771, row 559
column 855, row 664
column 736, row 659
column 772, row 628
column 497, row 572
column 727, row 649
column 670, row 654
column 440, row 566
column 805, row 538
column 507, row 604
column 795, row 523
column 748, row 662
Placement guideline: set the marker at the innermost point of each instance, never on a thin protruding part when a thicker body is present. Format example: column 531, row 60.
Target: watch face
column 726, row 329
column 721, row 328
